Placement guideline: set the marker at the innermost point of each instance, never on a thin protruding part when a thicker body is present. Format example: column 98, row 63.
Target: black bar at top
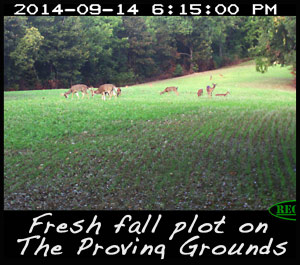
column 122, row 8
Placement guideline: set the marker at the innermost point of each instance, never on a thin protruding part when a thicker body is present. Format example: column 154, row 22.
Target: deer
column 210, row 89
column 200, row 92
column 79, row 87
column 169, row 89
column 224, row 95
column 106, row 89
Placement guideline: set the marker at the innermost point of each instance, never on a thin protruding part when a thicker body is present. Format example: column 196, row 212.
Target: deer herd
column 112, row 90
column 209, row 91
column 106, row 89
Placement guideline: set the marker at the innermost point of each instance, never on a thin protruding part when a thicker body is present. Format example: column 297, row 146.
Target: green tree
column 229, row 39
column 276, row 42
column 193, row 37
column 107, row 59
column 164, row 44
column 14, row 30
column 64, row 51
column 140, row 50
column 26, row 53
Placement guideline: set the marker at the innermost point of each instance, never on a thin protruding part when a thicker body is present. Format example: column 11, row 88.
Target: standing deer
column 106, row 89
column 210, row 89
column 79, row 87
column 200, row 92
column 224, row 95
column 169, row 89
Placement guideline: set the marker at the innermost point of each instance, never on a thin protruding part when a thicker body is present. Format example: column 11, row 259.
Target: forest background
column 57, row 52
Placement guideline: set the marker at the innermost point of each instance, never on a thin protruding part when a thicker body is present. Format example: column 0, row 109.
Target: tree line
column 54, row 52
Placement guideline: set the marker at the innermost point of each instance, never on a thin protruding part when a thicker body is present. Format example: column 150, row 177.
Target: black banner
column 108, row 8
column 154, row 235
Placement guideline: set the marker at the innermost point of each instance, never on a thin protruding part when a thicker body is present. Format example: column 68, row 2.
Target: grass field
column 149, row 151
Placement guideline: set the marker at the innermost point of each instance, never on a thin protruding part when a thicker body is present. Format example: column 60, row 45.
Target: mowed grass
column 149, row 151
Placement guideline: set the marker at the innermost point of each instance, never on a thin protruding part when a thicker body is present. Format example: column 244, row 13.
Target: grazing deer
column 169, row 89
column 79, row 87
column 210, row 89
column 106, row 89
column 224, row 95
column 200, row 92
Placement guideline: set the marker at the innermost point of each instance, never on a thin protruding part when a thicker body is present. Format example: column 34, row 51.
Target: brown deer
column 169, row 89
column 200, row 92
column 79, row 87
column 210, row 89
column 224, row 95
column 109, row 89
